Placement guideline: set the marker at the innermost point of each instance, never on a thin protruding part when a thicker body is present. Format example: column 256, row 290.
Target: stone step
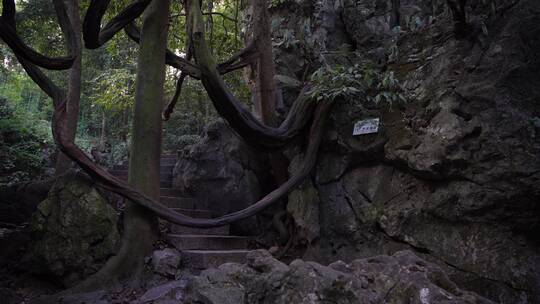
column 222, row 230
column 162, row 169
column 202, row 259
column 169, row 156
column 177, row 202
column 167, row 161
column 164, row 184
column 207, row 242
column 170, row 192
column 204, row 214
column 124, row 173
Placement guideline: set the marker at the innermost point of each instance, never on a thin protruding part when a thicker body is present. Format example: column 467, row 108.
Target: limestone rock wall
column 454, row 175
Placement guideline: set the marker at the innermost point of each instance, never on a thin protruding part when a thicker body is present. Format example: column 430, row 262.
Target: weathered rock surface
column 168, row 293
column 401, row 278
column 223, row 174
column 455, row 176
column 73, row 231
column 9, row 296
column 18, row 202
column 166, row 262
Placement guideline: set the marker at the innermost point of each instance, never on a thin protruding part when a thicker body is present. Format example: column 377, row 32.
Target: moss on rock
column 74, row 230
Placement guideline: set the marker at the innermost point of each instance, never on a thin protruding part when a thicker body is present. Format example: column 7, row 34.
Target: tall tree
column 265, row 91
column 63, row 163
column 143, row 191
column 141, row 226
column 264, row 72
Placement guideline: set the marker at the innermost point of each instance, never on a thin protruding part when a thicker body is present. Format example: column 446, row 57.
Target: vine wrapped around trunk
column 240, row 119
column 94, row 36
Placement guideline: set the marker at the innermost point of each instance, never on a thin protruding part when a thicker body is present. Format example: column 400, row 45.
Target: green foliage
column 108, row 81
column 288, row 40
column 113, row 89
column 23, row 94
column 23, row 139
column 359, row 82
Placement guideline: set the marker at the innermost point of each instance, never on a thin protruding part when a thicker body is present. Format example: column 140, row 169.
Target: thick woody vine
column 305, row 115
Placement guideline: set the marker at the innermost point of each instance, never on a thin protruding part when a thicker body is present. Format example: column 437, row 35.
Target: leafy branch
column 360, row 82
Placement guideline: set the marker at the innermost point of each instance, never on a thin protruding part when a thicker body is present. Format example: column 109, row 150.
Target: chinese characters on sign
column 367, row 126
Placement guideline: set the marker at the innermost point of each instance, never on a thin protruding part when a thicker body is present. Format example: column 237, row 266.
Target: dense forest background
column 108, row 81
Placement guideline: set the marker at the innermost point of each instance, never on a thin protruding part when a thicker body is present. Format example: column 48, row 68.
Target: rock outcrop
column 401, row 278
column 166, row 262
column 74, row 231
column 455, row 174
column 223, row 174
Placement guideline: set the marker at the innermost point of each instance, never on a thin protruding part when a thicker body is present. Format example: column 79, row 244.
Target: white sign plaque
column 367, row 126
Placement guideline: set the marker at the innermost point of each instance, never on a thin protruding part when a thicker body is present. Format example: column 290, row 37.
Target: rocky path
column 201, row 248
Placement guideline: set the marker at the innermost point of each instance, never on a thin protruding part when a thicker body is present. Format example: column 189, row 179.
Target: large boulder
column 166, row 262
column 400, row 278
column 223, row 174
column 74, row 231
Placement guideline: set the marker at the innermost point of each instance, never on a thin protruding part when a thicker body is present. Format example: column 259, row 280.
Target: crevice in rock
column 365, row 197
column 401, row 241
column 480, row 276
column 429, row 252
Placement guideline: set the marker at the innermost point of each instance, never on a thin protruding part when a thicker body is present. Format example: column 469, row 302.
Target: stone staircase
column 201, row 248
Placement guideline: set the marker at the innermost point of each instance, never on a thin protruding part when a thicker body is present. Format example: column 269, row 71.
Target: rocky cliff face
column 455, row 175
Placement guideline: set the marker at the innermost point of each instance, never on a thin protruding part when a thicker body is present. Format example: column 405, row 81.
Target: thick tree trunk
column 140, row 224
column 264, row 74
column 265, row 92
column 63, row 163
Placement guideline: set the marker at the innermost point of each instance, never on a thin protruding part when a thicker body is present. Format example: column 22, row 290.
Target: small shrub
column 360, row 82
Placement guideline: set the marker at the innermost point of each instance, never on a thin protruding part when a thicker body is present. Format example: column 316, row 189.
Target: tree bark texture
column 264, row 73
column 63, row 162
